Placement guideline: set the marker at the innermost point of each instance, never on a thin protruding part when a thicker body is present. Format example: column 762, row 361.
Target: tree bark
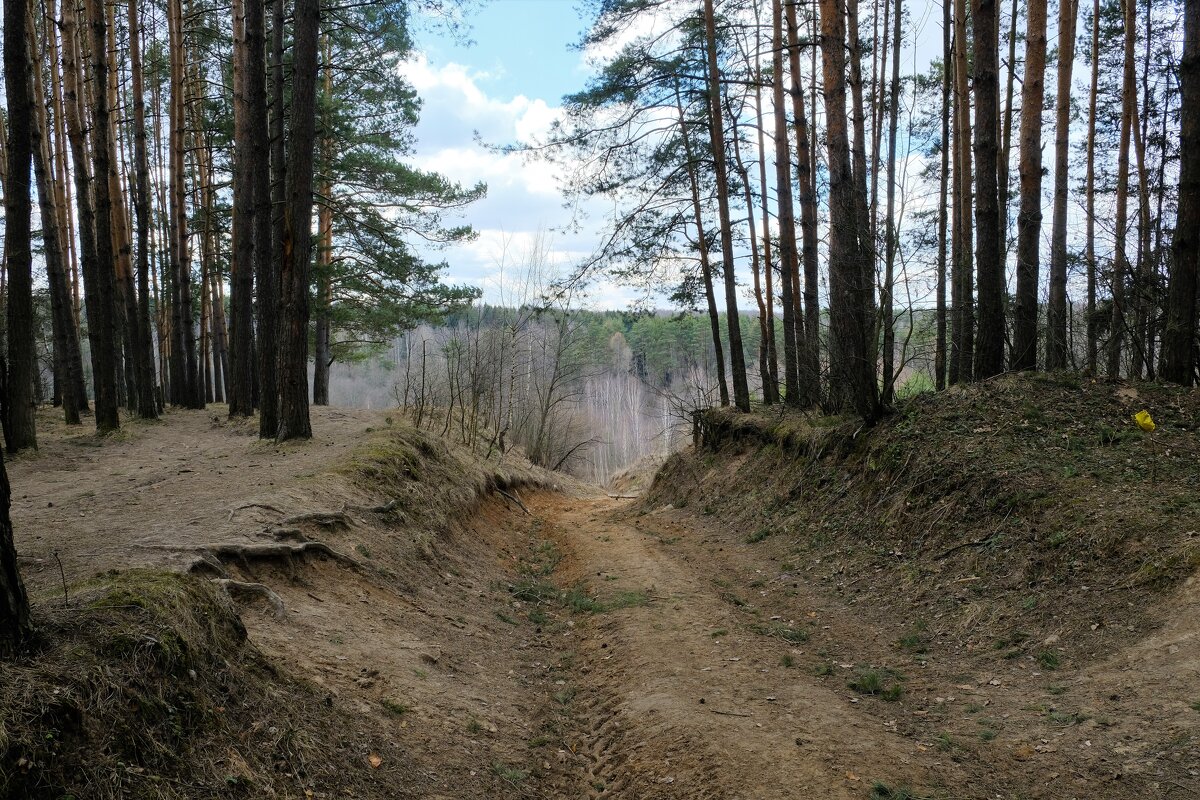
column 793, row 331
column 1093, row 346
column 962, row 363
column 714, row 318
column 1179, row 350
column 1056, row 311
column 1120, row 260
column 18, row 214
column 892, row 244
column 99, row 290
column 851, row 279
column 737, row 355
column 939, row 353
column 1004, row 160
column 270, row 186
column 322, row 344
column 1029, row 219
column 16, row 624
column 147, row 404
column 989, row 349
column 68, row 357
column 187, row 385
column 295, row 270
column 768, row 278
column 241, row 283
column 810, row 356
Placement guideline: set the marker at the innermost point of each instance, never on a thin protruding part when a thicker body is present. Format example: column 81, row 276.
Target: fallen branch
column 243, row 588
column 515, row 499
column 729, row 713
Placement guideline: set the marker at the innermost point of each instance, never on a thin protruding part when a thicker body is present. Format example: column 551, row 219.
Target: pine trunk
column 295, row 272
column 1093, row 346
column 939, row 354
column 1056, row 311
column 1179, row 351
column 18, row 214
column 892, row 245
column 68, row 368
column 1029, row 219
column 793, row 331
column 852, row 367
column 737, row 355
column 1120, row 259
column 241, row 283
column 989, row 349
column 270, row 194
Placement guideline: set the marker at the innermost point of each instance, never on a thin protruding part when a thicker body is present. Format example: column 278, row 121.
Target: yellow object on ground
column 1143, row 420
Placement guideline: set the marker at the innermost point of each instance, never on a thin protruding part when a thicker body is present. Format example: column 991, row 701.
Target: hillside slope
column 1019, row 551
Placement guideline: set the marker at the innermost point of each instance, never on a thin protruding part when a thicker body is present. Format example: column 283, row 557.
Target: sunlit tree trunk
column 1029, row 220
column 1056, row 311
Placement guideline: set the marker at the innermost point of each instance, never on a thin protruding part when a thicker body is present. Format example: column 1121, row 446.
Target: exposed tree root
column 281, row 550
column 244, row 589
column 244, row 506
column 325, row 519
column 515, row 499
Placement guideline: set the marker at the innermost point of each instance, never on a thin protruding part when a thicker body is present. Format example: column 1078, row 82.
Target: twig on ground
column 515, row 499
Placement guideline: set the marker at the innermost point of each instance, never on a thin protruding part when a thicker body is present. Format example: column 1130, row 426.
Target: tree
column 793, row 328
column 18, row 212
column 737, row 356
column 147, row 403
column 1056, row 310
column 1179, row 351
column 16, row 625
column 1120, row 258
column 1029, row 219
column 963, row 311
column 989, row 266
column 271, row 196
column 940, row 351
column 295, row 267
column 892, row 244
column 851, row 280
column 245, row 208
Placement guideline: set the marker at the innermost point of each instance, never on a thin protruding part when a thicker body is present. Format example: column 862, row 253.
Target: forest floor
column 456, row 645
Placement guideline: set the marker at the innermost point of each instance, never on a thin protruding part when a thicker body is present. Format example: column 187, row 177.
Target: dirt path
column 677, row 699
column 154, row 492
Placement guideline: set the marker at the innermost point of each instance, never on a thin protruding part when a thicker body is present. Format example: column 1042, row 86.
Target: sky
column 505, row 86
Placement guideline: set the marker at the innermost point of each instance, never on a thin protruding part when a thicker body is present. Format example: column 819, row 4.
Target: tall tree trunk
column 1029, row 219
column 1056, row 311
column 962, row 367
column 270, row 195
column 16, row 624
column 769, row 303
column 989, row 348
column 714, row 317
column 322, row 344
column 1093, row 346
column 851, row 279
column 889, row 325
column 18, row 213
column 1004, row 157
column 810, row 356
column 1179, row 351
column 764, row 369
column 794, row 394
column 69, row 360
column 737, row 355
column 184, row 332
column 147, row 405
column 297, row 242
column 1120, row 260
column 858, row 146
column 97, row 221
column 241, row 284
column 939, row 353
